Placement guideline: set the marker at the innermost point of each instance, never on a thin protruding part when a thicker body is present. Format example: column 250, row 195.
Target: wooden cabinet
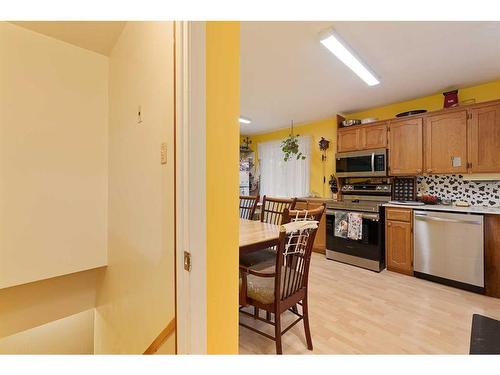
column 399, row 241
column 364, row 137
column 348, row 139
column 406, row 147
column 455, row 141
column 319, row 245
column 492, row 255
column 445, row 137
column 374, row 136
column 484, row 139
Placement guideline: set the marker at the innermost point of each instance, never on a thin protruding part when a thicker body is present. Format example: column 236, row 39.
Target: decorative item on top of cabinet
column 399, row 240
column 445, row 137
column 484, row 139
column 406, row 147
column 450, row 99
column 404, row 188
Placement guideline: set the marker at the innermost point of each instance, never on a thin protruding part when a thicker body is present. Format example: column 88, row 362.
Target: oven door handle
column 373, row 217
column 373, row 162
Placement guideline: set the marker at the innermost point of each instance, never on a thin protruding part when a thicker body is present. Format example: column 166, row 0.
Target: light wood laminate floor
column 355, row 311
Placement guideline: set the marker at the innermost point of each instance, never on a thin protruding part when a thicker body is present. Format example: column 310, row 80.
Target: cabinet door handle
column 419, row 170
column 389, row 224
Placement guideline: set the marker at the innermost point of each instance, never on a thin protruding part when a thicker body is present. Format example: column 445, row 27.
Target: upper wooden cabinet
column 364, row 137
column 374, row 136
column 348, row 139
column 406, row 147
column 484, row 139
column 445, row 137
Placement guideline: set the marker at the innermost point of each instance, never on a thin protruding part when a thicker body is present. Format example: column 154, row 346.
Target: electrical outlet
column 163, row 153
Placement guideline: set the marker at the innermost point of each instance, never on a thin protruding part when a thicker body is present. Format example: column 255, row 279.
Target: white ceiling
column 97, row 36
column 286, row 74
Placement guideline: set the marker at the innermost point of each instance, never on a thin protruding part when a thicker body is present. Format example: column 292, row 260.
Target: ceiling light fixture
column 339, row 48
column 244, row 120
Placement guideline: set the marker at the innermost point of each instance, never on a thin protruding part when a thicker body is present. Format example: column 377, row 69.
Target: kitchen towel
column 355, row 226
column 341, row 224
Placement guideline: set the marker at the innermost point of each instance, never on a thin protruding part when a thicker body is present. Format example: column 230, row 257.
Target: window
column 279, row 178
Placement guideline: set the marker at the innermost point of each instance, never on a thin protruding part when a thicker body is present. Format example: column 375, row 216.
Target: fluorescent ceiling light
column 334, row 43
column 244, row 120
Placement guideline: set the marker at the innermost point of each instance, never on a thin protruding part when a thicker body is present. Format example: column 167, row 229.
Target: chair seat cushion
column 262, row 288
column 264, row 258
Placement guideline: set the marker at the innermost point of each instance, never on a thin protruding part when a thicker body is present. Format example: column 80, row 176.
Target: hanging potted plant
column 290, row 147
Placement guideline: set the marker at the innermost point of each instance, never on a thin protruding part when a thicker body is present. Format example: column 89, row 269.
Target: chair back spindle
column 248, row 204
column 273, row 208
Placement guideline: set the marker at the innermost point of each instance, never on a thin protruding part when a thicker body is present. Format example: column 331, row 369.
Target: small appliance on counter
column 404, row 189
column 355, row 226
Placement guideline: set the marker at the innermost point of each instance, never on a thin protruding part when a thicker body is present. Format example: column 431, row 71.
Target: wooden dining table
column 256, row 235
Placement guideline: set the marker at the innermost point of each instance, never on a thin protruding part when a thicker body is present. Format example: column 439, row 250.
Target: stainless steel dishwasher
column 449, row 248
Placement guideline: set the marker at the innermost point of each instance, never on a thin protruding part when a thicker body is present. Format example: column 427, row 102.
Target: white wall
column 136, row 298
column 71, row 335
column 53, row 157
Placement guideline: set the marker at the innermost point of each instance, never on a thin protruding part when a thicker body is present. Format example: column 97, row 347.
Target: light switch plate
column 456, row 161
column 163, row 153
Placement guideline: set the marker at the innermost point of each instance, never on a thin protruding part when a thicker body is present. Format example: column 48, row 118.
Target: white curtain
column 279, row 178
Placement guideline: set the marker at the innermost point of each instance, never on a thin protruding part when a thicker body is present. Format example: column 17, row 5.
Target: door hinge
column 187, row 261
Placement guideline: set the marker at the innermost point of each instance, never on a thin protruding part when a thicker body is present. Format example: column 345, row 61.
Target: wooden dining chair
column 272, row 210
column 248, row 204
column 282, row 287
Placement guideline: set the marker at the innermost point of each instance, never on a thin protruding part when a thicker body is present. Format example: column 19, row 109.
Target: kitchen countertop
column 441, row 207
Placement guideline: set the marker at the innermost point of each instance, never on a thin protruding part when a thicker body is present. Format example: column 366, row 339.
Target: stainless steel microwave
column 369, row 163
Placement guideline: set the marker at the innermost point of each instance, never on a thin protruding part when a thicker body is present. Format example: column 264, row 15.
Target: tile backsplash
column 454, row 187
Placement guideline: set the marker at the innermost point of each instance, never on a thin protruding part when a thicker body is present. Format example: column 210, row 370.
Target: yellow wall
column 53, row 157
column 481, row 93
column 71, row 335
column 324, row 128
column 136, row 299
column 222, row 132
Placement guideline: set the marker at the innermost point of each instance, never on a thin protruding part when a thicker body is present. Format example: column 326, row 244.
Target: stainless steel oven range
column 368, row 249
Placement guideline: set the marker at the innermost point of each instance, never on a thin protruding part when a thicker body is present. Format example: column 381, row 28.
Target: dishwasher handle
column 425, row 217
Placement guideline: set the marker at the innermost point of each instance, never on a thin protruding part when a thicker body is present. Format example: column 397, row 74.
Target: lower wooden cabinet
column 399, row 241
column 319, row 245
